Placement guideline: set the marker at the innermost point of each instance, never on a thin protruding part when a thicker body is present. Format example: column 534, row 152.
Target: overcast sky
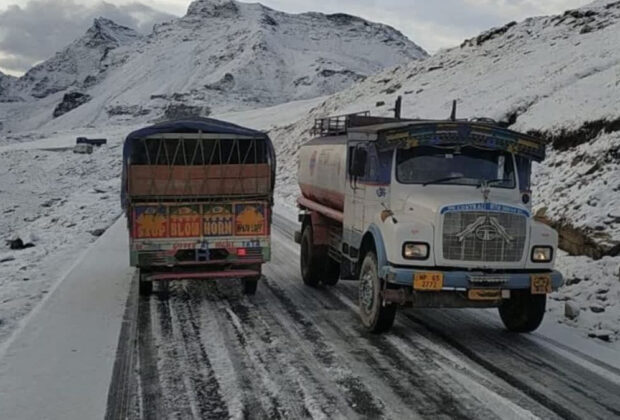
column 33, row 30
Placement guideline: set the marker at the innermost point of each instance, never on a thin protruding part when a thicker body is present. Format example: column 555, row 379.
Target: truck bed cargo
column 198, row 197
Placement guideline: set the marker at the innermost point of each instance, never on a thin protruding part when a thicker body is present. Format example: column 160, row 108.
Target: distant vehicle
column 94, row 142
column 425, row 213
column 198, row 197
column 83, row 148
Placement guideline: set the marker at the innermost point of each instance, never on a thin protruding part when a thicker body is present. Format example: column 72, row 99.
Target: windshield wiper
column 440, row 180
column 489, row 182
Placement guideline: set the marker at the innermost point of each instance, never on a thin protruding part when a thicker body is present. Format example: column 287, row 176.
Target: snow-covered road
column 206, row 351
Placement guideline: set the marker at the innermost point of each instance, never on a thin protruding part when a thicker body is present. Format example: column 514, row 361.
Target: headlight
column 415, row 250
column 542, row 254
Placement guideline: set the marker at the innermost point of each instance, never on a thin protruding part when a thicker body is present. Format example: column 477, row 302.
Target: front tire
column 376, row 316
column 523, row 312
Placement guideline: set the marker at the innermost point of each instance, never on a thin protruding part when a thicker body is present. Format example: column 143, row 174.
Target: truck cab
column 434, row 214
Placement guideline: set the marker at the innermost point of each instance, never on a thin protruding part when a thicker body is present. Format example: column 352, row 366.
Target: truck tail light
column 242, row 252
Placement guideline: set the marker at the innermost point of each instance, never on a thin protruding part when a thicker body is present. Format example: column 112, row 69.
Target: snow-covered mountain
column 77, row 66
column 556, row 75
column 221, row 55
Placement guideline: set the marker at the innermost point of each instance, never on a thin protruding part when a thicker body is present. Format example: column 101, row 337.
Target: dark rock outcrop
column 179, row 111
column 69, row 102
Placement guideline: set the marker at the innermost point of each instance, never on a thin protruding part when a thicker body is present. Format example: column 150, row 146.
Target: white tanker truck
column 425, row 213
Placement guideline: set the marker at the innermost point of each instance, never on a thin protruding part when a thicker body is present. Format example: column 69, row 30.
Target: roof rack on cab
column 339, row 124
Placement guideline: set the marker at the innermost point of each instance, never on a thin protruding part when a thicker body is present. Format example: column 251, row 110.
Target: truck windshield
column 456, row 166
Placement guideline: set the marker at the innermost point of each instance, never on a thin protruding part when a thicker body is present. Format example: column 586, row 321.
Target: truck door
column 357, row 187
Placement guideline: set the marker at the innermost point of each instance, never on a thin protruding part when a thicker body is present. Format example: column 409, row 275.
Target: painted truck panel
column 322, row 172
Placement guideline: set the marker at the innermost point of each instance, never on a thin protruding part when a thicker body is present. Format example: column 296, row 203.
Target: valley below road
column 207, row 351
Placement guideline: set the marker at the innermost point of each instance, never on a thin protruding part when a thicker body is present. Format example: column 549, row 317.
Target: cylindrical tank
column 322, row 171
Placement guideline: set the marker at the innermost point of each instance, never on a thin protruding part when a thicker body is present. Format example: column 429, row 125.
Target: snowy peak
column 222, row 55
column 106, row 33
column 77, row 66
column 213, row 9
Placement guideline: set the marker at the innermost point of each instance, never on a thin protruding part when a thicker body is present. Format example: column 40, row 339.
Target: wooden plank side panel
column 162, row 180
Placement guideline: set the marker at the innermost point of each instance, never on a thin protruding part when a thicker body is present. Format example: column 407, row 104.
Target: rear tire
column 250, row 284
column 376, row 316
column 145, row 287
column 163, row 289
column 523, row 312
column 332, row 272
column 309, row 260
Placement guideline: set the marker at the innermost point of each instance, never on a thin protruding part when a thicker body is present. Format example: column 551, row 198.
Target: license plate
column 540, row 284
column 428, row 280
column 484, row 294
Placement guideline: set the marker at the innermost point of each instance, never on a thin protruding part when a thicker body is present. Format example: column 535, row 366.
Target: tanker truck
column 425, row 213
column 197, row 195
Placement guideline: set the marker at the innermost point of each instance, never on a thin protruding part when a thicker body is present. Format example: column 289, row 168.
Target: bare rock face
column 69, row 102
column 573, row 240
column 6, row 84
column 224, row 84
column 181, row 111
column 18, row 243
column 213, row 8
column 129, row 110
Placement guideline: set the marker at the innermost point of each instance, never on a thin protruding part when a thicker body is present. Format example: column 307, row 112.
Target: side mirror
column 358, row 163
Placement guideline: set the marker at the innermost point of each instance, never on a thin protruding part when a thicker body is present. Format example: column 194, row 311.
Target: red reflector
column 242, row 252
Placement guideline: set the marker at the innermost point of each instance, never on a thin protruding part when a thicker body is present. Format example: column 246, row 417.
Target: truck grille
column 483, row 236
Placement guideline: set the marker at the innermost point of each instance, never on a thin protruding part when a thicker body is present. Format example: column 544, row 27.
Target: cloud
column 33, row 32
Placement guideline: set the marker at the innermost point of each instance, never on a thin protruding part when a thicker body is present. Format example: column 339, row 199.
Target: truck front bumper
column 464, row 280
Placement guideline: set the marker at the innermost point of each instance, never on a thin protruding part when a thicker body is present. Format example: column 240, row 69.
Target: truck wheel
column 332, row 272
column 309, row 260
column 164, row 289
column 145, row 287
column 523, row 312
column 376, row 316
column 250, row 284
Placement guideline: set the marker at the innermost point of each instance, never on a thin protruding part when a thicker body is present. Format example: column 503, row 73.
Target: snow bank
column 59, row 364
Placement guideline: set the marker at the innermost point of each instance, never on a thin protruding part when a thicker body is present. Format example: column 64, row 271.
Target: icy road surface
column 207, row 351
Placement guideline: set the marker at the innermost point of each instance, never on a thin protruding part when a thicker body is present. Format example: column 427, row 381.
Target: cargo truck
column 198, row 196
column 427, row 214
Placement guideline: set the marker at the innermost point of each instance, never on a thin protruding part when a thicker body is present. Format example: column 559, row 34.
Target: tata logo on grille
column 485, row 228
column 486, row 233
